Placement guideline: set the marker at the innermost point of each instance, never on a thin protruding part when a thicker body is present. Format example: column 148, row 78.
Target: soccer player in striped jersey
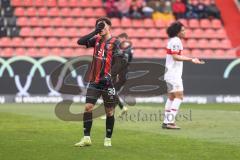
column 173, row 75
column 103, row 67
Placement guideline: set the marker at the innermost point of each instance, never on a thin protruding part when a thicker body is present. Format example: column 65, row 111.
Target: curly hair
column 174, row 29
column 105, row 19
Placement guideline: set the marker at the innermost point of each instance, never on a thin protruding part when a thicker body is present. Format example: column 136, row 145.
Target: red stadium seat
column 65, row 12
column 43, row 52
column 115, row 22
column 148, row 23
column 99, row 12
column 145, row 43
column 192, row 43
column 184, row 22
column 160, row 24
column 33, row 52
column 96, row 3
column 205, row 23
column 45, row 22
column 157, row 43
column 197, row 53
column 193, row 23
column 207, row 53
column 197, row 33
column 68, row 52
column 26, row 32
column 125, row 22
column 60, row 32
column 79, row 22
column 88, row 12
column 48, row 32
column 34, row 21
column 209, row 33
column 39, row 3
column 131, row 32
column 89, row 22
column 215, row 44
column 162, row 33
column 137, row 23
column 76, row 12
column 7, row 52
column 16, row 2
column 216, row 23
column 53, row 12
column 37, row 32
column 65, row 42
column 20, row 51
column 22, row 21
column 56, row 22
column 226, row 44
column 27, row 3
column 28, row 42
column 51, row 3
column 5, row 42
column 31, row 12
column 84, row 3
column 55, row 51
column 68, row 22
column 43, row 12
column 140, row 32
column 219, row 53
column 118, row 31
column 73, row 3
column 231, row 53
column 203, row 43
column 40, row 42
column 152, row 33
column 52, row 42
column 19, row 11
column 63, row 3
column 72, row 32
column 220, row 33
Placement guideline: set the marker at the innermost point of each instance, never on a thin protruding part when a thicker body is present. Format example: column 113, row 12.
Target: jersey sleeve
column 175, row 47
column 91, row 42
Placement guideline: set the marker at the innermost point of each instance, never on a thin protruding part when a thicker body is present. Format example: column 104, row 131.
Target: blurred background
column 36, row 36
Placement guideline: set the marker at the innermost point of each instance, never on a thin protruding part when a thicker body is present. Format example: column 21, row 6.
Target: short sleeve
column 175, row 47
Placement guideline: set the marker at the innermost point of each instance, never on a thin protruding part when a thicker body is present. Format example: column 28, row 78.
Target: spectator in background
column 111, row 9
column 135, row 10
column 123, row 7
column 163, row 11
column 201, row 9
column 213, row 11
column 148, row 8
column 179, row 9
column 191, row 10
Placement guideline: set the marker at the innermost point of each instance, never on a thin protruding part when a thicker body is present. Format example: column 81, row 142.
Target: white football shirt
column 174, row 68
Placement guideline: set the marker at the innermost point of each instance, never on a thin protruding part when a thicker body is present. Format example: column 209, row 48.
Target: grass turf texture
column 209, row 132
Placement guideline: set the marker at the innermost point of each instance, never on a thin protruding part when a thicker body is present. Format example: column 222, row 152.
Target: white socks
column 171, row 110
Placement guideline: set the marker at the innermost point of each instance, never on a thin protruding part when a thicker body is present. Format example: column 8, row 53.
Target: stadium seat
column 220, row 33
column 56, row 22
column 53, row 12
column 55, row 51
column 7, row 52
column 197, row 33
column 33, row 52
column 145, row 43
column 162, row 33
column 205, row 23
column 5, row 42
column 215, row 44
column 43, row 52
column 43, row 12
column 33, row 21
column 76, row 12
column 29, row 42
column 219, row 53
column 65, row 42
column 16, row 3
column 99, row 12
column 40, row 42
column 115, row 22
column 137, row 23
column 65, row 12
column 27, row 3
column 157, row 43
column 207, row 53
column 26, row 32
column 89, row 22
column 88, row 12
column 125, row 22
column 132, row 32
column 152, row 33
column 37, row 32
column 148, row 23
column 68, row 52
column 160, row 24
column 20, row 51
column 216, row 23
column 31, row 12
column 39, row 3
column 197, row 53
column 184, row 22
column 140, row 32
column 225, row 44
column 193, row 23
column 202, row 44
column 118, row 31
column 51, row 3
column 209, row 33
column 231, row 53
column 52, row 42
column 19, row 11
column 191, row 43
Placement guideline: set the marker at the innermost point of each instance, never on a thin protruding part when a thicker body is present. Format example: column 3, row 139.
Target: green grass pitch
column 209, row 132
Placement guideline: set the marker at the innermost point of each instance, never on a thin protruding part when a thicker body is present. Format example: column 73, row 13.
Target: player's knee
column 88, row 107
column 109, row 112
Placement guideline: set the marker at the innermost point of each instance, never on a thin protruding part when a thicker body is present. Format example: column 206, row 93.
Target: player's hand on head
column 197, row 61
column 100, row 26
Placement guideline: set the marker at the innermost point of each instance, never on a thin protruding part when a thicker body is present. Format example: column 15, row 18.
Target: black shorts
column 104, row 89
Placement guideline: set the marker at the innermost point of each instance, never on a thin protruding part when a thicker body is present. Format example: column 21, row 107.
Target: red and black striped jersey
column 105, row 51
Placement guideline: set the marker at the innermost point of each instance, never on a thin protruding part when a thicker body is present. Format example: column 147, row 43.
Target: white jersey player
column 173, row 75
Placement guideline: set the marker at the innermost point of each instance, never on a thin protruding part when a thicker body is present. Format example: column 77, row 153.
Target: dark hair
column 123, row 35
column 105, row 19
column 174, row 29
